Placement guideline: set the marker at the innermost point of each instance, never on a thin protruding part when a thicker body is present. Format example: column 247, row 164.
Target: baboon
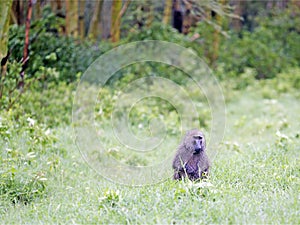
column 191, row 159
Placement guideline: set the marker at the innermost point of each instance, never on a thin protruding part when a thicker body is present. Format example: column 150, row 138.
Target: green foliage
column 49, row 102
column 10, row 90
column 110, row 199
column 285, row 27
column 4, row 27
column 269, row 49
column 285, row 82
column 28, row 155
column 143, row 112
column 55, row 61
column 161, row 32
column 52, row 105
column 139, row 15
column 157, row 31
column 50, row 50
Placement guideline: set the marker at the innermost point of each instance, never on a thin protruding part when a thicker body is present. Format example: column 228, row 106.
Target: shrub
column 270, row 48
column 51, row 50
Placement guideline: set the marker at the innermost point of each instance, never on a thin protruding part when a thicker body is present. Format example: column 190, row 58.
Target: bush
column 271, row 47
column 48, row 49
column 285, row 82
column 50, row 73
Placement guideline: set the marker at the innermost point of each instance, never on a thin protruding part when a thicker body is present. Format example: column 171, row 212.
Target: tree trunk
column 72, row 18
column 59, row 5
column 18, row 11
column 106, row 19
column 269, row 5
column 238, row 10
column 216, row 38
column 5, row 7
column 177, row 16
column 95, row 21
column 38, row 13
column 26, row 43
column 149, row 11
column 115, row 20
column 81, row 19
column 187, row 18
column 56, row 5
column 167, row 12
column 13, row 18
column 295, row 5
column 281, row 4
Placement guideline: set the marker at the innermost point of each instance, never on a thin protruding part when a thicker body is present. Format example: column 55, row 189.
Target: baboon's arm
column 189, row 168
column 178, row 163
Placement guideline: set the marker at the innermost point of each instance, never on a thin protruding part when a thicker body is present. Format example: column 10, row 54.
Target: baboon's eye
column 198, row 137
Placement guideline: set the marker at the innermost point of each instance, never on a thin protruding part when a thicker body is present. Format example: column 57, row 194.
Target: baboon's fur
column 188, row 163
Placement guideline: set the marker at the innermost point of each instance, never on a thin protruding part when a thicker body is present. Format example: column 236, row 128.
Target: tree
column 72, row 18
column 150, row 13
column 5, row 7
column 177, row 16
column 95, row 21
column 18, row 11
column 106, row 19
column 167, row 11
column 116, row 15
column 81, row 18
column 115, row 20
column 216, row 38
column 238, row 10
column 38, row 12
column 26, row 43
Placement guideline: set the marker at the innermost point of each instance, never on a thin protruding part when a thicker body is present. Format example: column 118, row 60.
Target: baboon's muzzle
column 198, row 149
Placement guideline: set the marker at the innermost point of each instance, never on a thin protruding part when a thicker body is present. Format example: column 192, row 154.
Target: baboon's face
column 199, row 143
column 195, row 141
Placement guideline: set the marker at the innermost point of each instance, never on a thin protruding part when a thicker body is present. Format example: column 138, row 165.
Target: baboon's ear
column 185, row 143
column 187, row 133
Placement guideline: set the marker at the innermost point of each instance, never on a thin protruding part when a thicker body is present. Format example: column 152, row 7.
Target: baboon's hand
column 176, row 176
column 189, row 169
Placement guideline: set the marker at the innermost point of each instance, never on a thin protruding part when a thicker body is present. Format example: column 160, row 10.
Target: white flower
column 100, row 112
column 281, row 135
column 48, row 132
column 30, row 121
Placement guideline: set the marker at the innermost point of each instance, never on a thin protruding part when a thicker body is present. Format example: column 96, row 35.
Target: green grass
column 255, row 177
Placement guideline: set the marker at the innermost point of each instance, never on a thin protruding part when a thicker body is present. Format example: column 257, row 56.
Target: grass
column 255, row 177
